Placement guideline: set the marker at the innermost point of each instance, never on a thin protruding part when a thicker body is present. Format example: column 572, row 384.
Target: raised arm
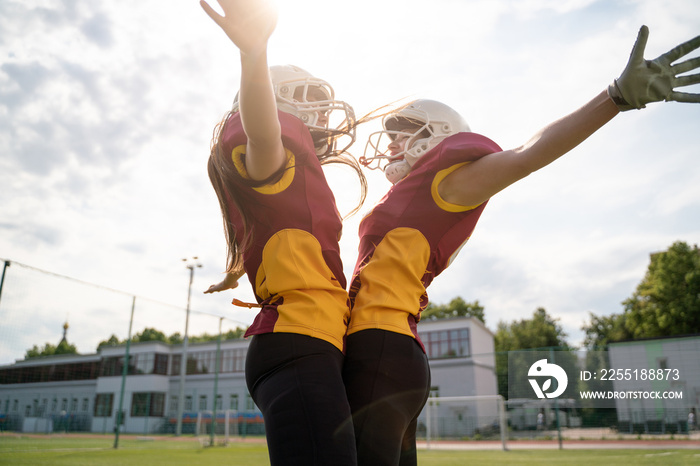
column 249, row 24
column 640, row 83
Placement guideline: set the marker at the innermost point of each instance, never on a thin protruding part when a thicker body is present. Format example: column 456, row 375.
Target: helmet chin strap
column 396, row 171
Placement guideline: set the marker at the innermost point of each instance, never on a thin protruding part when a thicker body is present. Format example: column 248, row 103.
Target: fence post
column 427, row 423
column 556, row 407
column 503, row 421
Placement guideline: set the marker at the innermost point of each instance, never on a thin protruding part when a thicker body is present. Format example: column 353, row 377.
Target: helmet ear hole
column 312, row 100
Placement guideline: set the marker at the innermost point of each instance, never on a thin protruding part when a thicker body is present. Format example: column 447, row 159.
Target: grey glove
column 644, row 81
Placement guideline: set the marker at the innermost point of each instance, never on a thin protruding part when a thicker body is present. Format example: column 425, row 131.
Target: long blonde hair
column 225, row 179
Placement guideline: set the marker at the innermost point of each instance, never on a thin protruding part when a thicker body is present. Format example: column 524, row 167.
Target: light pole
column 2, row 280
column 190, row 264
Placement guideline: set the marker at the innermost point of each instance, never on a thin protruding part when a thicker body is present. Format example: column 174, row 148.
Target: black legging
column 387, row 379
column 296, row 381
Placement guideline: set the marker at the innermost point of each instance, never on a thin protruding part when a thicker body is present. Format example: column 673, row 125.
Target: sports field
column 154, row 451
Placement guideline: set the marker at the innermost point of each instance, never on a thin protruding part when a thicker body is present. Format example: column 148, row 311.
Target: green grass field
column 154, row 451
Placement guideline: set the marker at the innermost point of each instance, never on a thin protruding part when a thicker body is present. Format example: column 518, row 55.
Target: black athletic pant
column 387, row 379
column 296, row 381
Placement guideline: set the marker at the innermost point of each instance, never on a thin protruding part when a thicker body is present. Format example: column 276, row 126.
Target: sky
column 107, row 111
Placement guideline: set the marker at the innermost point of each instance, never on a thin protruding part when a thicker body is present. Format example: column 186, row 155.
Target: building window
column 74, row 405
column 54, row 405
column 161, row 364
column 64, row 404
column 200, row 362
column 86, row 404
column 249, row 403
column 50, row 373
column 111, row 367
column 144, row 363
column 103, row 404
column 202, row 402
column 218, row 402
column 204, row 362
column 233, row 360
column 233, row 402
column 188, row 403
column 447, row 343
column 15, row 406
column 147, row 404
column 175, row 364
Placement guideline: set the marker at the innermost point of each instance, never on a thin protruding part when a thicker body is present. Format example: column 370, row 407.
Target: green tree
column 234, row 334
column 150, row 334
column 602, row 330
column 111, row 341
column 175, row 339
column 203, row 338
column 667, row 301
column 455, row 308
column 50, row 350
column 542, row 331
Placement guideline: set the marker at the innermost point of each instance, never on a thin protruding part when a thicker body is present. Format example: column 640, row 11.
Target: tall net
column 35, row 305
column 83, row 327
column 465, row 418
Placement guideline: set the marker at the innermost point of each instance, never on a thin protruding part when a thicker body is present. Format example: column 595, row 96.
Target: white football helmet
column 312, row 100
column 425, row 123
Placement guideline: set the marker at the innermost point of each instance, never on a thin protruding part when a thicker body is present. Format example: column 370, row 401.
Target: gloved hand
column 644, row 81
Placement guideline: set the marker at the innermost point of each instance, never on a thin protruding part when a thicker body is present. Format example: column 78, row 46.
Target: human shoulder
column 468, row 146
column 458, row 148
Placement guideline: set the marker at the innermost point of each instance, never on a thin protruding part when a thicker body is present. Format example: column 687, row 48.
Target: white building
column 84, row 392
column 462, row 363
column 663, row 383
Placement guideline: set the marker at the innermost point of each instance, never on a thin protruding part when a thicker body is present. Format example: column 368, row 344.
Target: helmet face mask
column 424, row 124
column 312, row 100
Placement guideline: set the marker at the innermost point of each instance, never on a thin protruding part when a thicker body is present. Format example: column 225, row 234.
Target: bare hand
column 228, row 283
column 248, row 23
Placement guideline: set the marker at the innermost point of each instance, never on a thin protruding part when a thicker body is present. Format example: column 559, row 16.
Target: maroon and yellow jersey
column 293, row 262
column 410, row 237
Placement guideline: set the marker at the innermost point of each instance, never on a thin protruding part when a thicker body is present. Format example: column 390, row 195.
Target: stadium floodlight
column 191, row 264
column 2, row 280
